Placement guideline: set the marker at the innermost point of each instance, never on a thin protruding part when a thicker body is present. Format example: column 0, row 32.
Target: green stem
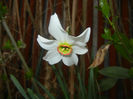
column 15, row 45
column 7, row 83
column 119, row 36
column 25, row 66
column 115, row 28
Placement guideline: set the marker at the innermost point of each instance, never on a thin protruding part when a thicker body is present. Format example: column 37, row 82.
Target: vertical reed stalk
column 23, row 19
column 72, row 67
column 82, row 58
column 29, row 11
column 84, row 18
column 74, row 7
column 66, row 13
column 18, row 19
column 95, row 29
column 0, row 37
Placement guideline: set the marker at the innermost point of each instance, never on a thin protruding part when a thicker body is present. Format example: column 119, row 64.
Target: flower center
column 64, row 48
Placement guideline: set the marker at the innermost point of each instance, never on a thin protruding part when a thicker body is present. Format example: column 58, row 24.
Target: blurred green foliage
column 107, row 34
column 115, row 72
column 107, row 83
column 3, row 10
column 131, row 72
column 21, row 44
column 123, row 45
column 8, row 45
column 4, row 77
column 105, row 8
column 29, row 74
column 121, row 42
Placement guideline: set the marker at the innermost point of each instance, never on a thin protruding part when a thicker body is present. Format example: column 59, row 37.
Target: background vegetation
column 23, row 73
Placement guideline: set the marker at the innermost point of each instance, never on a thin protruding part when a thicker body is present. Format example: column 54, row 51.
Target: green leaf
column 20, row 44
column 124, row 46
column 131, row 45
column 19, row 87
column 105, row 8
column 107, row 34
column 107, row 83
column 131, row 41
column 115, row 72
column 125, row 40
column 4, row 77
column 115, row 38
column 32, row 94
column 8, row 45
column 122, row 51
column 131, row 72
column 1, row 61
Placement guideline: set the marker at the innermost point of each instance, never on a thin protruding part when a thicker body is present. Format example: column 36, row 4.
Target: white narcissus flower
column 65, row 47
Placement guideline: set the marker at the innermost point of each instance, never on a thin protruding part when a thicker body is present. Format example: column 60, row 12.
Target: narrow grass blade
column 19, row 87
column 91, row 86
column 45, row 89
column 82, row 87
column 59, row 70
column 32, row 94
column 61, row 83
column 39, row 66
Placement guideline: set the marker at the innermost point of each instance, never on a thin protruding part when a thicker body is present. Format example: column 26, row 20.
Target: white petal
column 82, row 38
column 44, row 40
column 55, row 28
column 45, row 43
column 79, row 50
column 79, row 43
column 70, row 60
column 52, row 57
column 74, row 41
